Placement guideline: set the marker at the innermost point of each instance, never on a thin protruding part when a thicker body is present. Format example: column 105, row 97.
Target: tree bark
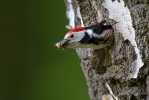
column 114, row 66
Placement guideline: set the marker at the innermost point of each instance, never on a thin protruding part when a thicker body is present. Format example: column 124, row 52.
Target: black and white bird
column 95, row 36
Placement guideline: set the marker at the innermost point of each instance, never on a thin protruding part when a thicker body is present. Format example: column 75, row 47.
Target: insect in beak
column 61, row 44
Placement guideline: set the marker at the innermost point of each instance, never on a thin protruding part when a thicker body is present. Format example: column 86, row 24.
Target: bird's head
column 72, row 38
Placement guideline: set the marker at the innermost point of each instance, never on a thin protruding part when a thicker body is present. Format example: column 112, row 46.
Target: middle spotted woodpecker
column 95, row 36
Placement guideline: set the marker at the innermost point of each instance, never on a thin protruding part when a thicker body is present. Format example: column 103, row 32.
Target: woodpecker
column 95, row 36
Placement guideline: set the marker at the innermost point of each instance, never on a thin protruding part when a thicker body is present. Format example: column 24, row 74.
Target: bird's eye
column 72, row 35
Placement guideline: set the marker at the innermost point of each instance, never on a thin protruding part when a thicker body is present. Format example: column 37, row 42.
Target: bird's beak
column 61, row 44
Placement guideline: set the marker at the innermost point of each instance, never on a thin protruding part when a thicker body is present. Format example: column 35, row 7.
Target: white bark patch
column 79, row 15
column 107, row 97
column 121, row 14
column 110, row 90
column 70, row 14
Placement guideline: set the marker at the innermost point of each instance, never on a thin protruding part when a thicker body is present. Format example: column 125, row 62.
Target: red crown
column 77, row 29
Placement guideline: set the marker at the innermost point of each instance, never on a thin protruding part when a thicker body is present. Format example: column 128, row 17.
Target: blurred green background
column 31, row 68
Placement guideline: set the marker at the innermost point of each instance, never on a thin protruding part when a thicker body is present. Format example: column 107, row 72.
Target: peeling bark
column 114, row 64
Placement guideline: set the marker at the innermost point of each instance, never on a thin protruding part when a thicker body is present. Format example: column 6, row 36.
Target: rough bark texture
column 113, row 64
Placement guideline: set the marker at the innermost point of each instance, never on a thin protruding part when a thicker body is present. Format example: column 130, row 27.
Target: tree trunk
column 119, row 71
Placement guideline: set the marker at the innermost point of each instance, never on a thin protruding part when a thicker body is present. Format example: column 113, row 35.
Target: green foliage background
column 31, row 68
